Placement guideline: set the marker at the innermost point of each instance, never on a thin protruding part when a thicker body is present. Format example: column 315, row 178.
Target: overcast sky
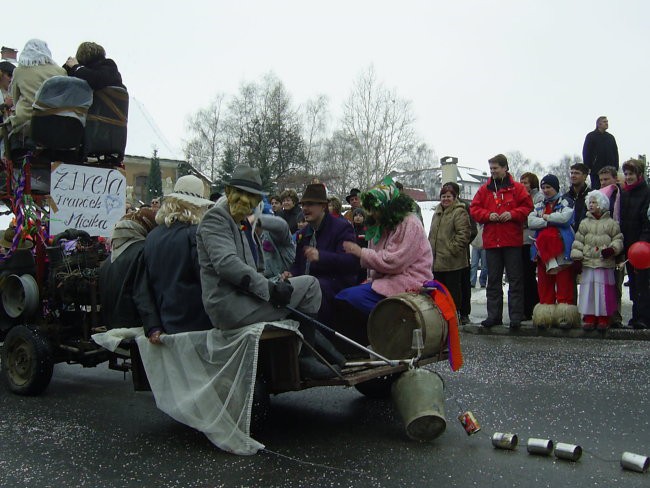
column 484, row 77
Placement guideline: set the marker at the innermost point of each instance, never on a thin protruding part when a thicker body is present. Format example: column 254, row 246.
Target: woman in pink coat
column 398, row 256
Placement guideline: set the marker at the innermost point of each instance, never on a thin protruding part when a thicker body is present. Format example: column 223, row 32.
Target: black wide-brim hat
column 353, row 193
column 247, row 179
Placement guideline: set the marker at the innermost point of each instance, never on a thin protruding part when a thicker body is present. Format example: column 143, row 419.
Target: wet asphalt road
column 91, row 429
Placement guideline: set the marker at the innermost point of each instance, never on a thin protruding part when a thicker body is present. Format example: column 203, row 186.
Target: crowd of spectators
column 563, row 254
column 581, row 238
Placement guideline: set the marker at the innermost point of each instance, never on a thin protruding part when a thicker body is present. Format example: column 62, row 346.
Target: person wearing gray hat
column 235, row 291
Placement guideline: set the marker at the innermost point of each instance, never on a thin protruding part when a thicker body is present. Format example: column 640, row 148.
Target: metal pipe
column 79, row 351
column 355, row 364
column 334, row 333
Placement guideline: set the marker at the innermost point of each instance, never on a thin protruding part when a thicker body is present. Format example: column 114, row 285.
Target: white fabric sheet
column 205, row 379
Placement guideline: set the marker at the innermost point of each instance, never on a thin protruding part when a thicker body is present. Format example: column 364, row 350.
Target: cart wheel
column 261, row 405
column 378, row 388
column 27, row 364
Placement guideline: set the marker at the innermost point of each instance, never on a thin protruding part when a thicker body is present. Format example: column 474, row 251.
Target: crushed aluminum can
column 570, row 452
column 504, row 440
column 635, row 462
column 542, row 447
column 469, row 422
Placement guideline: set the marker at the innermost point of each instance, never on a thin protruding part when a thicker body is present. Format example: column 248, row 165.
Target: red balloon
column 639, row 255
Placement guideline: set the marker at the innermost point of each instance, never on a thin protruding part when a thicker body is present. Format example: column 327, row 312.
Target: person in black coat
column 172, row 262
column 91, row 64
column 124, row 291
column 599, row 150
column 635, row 227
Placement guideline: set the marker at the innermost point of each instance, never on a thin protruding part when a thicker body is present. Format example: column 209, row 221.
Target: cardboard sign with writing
column 86, row 198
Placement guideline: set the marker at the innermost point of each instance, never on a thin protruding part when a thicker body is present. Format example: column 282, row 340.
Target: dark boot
column 327, row 349
column 310, row 366
column 352, row 323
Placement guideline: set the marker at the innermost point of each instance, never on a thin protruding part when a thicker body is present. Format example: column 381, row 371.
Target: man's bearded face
column 241, row 203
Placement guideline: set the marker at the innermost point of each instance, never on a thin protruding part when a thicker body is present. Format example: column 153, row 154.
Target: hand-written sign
column 86, row 198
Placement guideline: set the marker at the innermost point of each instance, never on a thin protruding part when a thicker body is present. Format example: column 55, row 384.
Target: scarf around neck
column 633, row 185
column 552, row 199
column 126, row 232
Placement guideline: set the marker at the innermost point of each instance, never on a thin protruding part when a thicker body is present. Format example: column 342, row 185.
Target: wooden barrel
column 393, row 320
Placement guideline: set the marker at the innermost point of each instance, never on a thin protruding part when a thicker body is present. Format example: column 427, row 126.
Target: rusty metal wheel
column 27, row 364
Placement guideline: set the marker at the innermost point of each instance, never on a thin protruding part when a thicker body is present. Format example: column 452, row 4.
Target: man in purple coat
column 319, row 249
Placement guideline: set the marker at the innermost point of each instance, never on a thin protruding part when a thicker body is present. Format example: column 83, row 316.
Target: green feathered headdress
column 393, row 207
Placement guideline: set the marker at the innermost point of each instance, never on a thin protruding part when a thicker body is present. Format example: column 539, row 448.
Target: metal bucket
column 419, row 397
column 392, row 321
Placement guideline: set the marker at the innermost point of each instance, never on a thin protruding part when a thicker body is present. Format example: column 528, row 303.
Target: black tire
column 27, row 364
column 378, row 388
column 261, row 405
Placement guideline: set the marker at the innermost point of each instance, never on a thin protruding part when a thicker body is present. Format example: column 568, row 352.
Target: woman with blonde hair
column 172, row 262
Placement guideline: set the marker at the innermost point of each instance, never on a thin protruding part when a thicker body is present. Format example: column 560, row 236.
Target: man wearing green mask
column 235, row 291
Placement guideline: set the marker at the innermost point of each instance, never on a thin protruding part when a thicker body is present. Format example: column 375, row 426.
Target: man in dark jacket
column 599, row 150
column 577, row 194
column 319, row 249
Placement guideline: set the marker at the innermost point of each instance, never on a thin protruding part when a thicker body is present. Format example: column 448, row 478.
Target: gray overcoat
column 226, row 260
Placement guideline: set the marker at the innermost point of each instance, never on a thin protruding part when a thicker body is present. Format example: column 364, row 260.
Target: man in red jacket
column 502, row 205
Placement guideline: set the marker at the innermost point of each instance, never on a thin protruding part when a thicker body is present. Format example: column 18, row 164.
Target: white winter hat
column 190, row 189
column 600, row 198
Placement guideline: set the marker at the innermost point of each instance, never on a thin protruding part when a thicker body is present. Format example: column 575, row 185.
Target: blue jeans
column 478, row 255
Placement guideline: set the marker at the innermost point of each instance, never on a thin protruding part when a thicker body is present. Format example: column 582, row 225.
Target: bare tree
column 203, row 149
column 205, row 127
column 421, row 157
column 315, row 115
column 339, row 172
column 518, row 165
column 562, row 169
column 264, row 130
column 381, row 126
